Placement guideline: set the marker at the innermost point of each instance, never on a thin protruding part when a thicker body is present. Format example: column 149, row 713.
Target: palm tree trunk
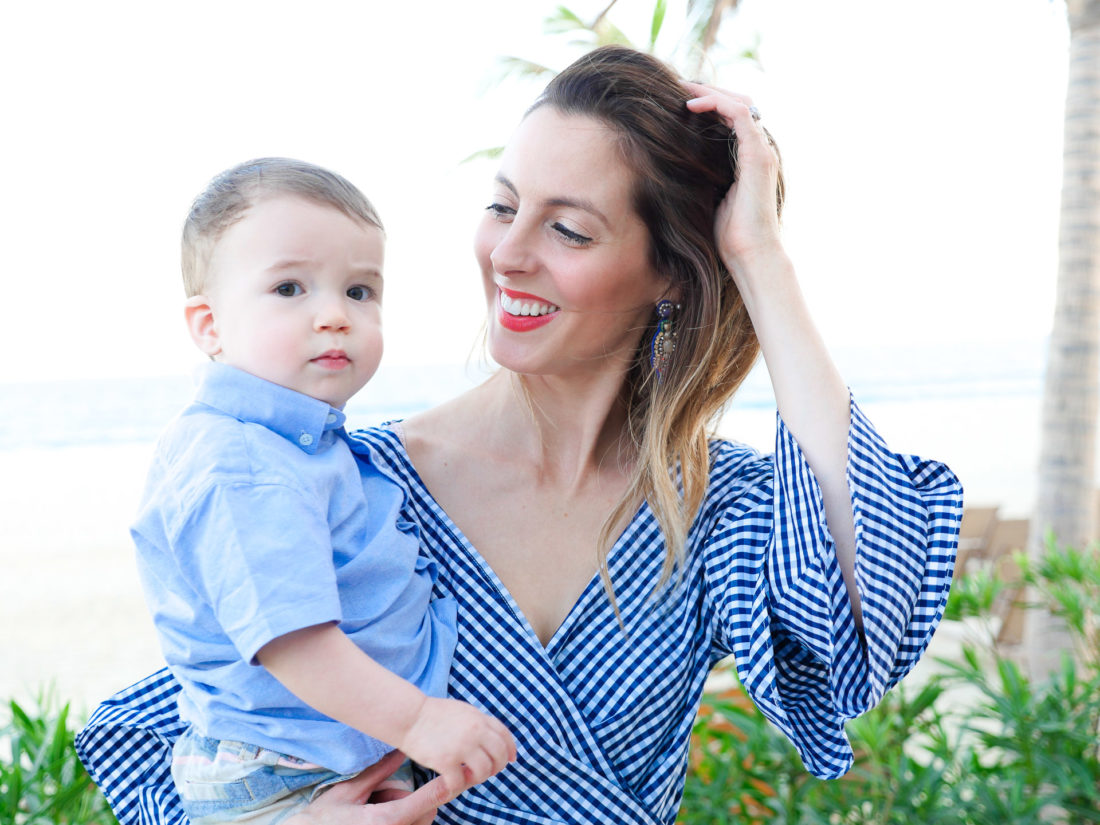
column 601, row 15
column 1067, row 488
column 708, row 35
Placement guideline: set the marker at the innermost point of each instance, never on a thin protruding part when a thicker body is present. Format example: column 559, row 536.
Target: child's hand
column 459, row 742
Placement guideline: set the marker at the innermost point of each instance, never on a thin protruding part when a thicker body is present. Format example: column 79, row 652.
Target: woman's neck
column 568, row 428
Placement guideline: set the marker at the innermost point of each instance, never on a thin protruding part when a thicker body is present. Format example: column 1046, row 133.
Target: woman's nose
column 512, row 252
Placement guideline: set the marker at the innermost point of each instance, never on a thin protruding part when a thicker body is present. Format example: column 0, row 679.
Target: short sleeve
column 260, row 555
column 778, row 600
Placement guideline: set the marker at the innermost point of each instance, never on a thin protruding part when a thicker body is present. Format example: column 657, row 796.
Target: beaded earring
column 664, row 338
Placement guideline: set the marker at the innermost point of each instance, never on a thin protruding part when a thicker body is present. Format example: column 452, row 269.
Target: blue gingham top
column 602, row 718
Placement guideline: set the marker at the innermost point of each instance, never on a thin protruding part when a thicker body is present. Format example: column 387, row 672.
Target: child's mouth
column 333, row 360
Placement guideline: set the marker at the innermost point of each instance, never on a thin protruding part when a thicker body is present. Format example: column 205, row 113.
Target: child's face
column 295, row 298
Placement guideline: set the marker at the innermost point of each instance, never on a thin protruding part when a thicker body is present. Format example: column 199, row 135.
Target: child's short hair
column 227, row 197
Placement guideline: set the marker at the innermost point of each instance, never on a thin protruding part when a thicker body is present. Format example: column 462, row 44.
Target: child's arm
column 326, row 670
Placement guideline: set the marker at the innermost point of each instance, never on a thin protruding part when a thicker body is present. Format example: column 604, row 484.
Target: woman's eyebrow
column 576, row 203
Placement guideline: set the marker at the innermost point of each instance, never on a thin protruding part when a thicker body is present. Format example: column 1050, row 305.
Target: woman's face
column 563, row 256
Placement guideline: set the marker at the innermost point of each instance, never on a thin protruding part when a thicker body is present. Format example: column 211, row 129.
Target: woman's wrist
column 762, row 272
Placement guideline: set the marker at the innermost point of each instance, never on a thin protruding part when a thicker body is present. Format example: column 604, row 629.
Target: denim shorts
column 221, row 781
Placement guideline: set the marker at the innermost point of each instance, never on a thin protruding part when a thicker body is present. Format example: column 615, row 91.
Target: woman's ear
column 672, row 292
column 199, row 315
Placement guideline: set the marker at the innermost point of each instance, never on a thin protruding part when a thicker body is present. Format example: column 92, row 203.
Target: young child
column 291, row 600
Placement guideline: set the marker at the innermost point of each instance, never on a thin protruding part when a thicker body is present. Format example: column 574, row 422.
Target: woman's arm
column 811, row 396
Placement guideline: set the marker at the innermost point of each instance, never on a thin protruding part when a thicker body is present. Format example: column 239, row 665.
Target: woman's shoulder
column 732, row 461
column 740, row 476
column 437, row 437
column 451, row 434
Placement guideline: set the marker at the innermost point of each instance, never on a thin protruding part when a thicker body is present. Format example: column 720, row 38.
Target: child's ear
column 200, row 323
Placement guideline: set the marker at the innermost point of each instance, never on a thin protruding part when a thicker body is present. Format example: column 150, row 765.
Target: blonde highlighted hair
column 683, row 165
column 228, row 197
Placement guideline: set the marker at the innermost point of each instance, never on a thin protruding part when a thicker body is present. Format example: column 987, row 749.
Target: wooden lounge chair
column 975, row 534
column 1009, row 535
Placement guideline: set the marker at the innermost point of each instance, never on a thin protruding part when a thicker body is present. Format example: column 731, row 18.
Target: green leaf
column 20, row 718
column 659, row 9
column 511, row 66
column 608, row 34
column 563, row 19
column 492, row 153
column 41, row 779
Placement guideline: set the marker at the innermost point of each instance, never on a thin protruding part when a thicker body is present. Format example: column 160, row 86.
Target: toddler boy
column 290, row 598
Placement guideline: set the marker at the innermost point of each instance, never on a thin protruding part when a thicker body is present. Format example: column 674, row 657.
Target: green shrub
column 41, row 779
column 980, row 744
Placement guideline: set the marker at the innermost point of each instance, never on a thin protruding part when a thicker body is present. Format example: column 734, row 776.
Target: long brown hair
column 683, row 164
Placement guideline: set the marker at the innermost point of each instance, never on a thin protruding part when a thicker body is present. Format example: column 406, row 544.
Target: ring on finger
column 754, row 112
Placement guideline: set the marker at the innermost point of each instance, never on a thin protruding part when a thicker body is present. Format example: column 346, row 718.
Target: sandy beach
column 71, row 609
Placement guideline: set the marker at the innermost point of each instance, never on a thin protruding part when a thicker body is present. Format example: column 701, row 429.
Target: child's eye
column 360, row 293
column 288, row 289
column 500, row 211
column 571, row 237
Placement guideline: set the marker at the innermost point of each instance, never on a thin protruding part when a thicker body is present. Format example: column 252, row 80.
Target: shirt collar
column 298, row 418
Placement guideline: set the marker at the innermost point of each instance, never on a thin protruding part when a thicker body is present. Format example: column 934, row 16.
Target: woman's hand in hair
column 747, row 222
column 809, row 391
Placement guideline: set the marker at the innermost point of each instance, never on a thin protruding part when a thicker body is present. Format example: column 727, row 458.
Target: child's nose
column 331, row 315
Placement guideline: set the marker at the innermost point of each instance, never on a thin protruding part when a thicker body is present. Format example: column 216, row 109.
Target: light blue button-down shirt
column 257, row 521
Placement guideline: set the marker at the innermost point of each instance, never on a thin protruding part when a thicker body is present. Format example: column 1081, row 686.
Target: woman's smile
column 523, row 312
column 563, row 177
column 521, row 303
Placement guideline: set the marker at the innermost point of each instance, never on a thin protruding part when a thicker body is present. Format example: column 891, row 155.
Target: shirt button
column 331, row 418
column 305, row 439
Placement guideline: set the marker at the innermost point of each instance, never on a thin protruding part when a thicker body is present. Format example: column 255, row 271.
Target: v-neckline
column 483, row 564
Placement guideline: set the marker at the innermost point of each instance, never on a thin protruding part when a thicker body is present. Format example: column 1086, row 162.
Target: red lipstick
column 522, row 323
column 511, row 293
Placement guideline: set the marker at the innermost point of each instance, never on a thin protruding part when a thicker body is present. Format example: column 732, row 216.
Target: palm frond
column 752, row 53
column 608, row 34
column 511, row 66
column 656, row 23
column 508, row 67
column 563, row 19
column 492, row 153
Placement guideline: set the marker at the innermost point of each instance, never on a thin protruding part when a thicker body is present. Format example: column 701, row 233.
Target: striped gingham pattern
column 603, row 717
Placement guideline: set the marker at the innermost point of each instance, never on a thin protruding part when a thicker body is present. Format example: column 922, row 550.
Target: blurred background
column 922, row 147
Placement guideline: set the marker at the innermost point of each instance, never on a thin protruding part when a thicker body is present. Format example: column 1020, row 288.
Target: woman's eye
column 500, row 211
column 575, row 238
column 288, row 289
column 360, row 293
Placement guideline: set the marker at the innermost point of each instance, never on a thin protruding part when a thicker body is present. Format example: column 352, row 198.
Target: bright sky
column 922, row 143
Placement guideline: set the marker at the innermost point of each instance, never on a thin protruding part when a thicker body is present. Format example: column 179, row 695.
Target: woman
column 603, row 551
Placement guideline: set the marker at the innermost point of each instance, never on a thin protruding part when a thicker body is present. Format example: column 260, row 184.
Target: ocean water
column 126, row 411
column 975, row 407
column 73, row 457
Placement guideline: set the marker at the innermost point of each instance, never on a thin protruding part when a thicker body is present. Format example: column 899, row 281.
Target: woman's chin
column 518, row 364
column 514, row 352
